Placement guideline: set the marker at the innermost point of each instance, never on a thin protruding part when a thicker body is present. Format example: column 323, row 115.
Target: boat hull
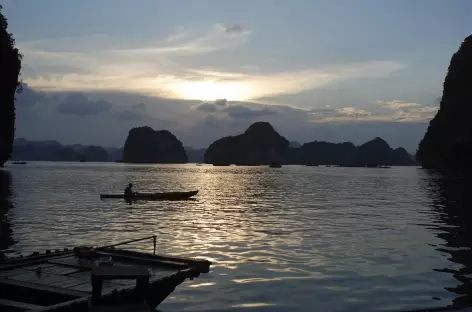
column 152, row 196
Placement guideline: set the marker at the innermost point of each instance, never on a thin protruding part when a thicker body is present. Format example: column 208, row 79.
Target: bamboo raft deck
column 72, row 280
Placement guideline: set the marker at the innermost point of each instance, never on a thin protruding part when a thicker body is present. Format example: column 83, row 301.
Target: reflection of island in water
column 453, row 204
column 6, row 238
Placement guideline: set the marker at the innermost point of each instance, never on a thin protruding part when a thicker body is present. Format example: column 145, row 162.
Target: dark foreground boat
column 91, row 279
column 153, row 196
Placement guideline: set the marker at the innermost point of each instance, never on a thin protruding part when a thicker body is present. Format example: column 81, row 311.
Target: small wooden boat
column 92, row 278
column 153, row 196
column 275, row 165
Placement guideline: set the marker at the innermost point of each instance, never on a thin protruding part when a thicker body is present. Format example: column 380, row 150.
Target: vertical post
column 154, row 239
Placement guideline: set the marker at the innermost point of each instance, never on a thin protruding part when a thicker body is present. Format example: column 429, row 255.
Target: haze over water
column 289, row 239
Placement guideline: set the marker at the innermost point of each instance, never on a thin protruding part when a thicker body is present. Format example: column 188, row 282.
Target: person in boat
column 129, row 190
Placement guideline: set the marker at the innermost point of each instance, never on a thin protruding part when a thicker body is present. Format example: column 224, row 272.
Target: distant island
column 145, row 145
column 260, row 144
column 55, row 151
column 448, row 140
column 10, row 64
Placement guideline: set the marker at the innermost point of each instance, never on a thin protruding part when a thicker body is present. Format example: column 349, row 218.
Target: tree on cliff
column 10, row 66
column 144, row 145
column 448, row 140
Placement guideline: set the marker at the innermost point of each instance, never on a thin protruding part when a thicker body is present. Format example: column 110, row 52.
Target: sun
column 210, row 90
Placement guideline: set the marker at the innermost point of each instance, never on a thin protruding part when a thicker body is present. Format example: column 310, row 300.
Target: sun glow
column 210, row 91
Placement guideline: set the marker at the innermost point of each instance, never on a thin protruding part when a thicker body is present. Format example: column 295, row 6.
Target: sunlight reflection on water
column 295, row 238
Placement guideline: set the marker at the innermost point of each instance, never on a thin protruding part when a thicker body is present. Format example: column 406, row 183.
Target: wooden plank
column 13, row 272
column 61, row 270
column 146, row 260
column 47, row 288
column 72, row 264
column 120, row 272
column 84, row 304
column 85, row 287
column 71, row 282
column 43, row 278
column 19, row 305
column 8, row 265
column 43, row 265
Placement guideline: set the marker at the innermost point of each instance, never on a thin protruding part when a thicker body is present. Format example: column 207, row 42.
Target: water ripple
column 296, row 238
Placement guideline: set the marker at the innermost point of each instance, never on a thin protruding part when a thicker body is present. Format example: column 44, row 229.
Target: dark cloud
column 207, row 107
column 221, row 102
column 241, row 111
column 135, row 112
column 236, row 110
column 211, row 106
column 199, row 130
column 80, row 105
column 28, row 97
column 234, row 29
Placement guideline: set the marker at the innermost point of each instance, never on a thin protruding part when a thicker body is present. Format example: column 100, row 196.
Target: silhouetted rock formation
column 325, row 153
column 93, row 153
column 65, row 154
column 6, row 204
column 260, row 144
column 195, row 155
column 55, row 151
column 10, row 66
column 35, row 150
column 402, row 158
column 374, row 152
column 115, row 154
column 448, row 140
column 144, row 145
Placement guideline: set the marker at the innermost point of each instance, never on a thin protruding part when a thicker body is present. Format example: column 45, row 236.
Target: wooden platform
column 61, row 281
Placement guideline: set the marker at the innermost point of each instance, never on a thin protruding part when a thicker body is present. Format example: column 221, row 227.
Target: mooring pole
column 154, row 239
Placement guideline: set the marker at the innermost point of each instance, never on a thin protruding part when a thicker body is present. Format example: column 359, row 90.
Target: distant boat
column 153, row 196
column 275, row 165
column 19, row 162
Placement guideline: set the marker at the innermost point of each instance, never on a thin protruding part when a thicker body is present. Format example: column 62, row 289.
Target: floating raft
column 152, row 196
column 88, row 279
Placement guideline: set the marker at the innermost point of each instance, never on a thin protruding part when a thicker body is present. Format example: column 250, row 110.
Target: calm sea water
column 289, row 239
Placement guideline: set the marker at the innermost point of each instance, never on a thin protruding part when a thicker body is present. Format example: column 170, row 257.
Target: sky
column 333, row 70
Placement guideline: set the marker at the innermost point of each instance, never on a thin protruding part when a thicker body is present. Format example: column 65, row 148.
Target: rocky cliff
column 325, row 153
column 10, row 66
column 260, row 144
column 144, row 145
column 448, row 140
column 94, row 153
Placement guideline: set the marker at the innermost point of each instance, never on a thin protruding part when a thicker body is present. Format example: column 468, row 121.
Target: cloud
column 408, row 111
column 242, row 112
column 345, row 113
column 237, row 110
column 171, row 67
column 234, row 29
column 396, row 104
column 28, row 97
column 80, row 105
column 136, row 112
column 207, row 107
column 221, row 102
column 211, row 106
